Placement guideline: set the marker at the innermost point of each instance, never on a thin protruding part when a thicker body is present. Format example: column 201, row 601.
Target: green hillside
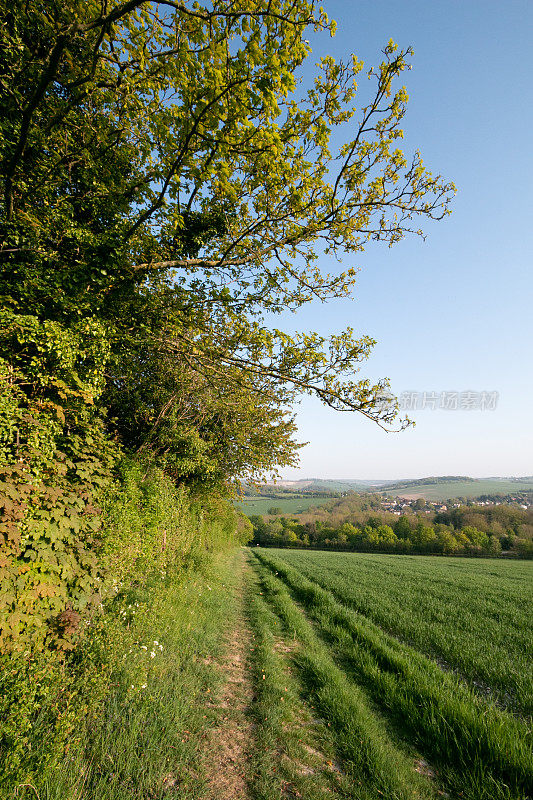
column 461, row 488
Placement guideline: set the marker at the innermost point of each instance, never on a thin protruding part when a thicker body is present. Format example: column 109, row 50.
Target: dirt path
column 230, row 743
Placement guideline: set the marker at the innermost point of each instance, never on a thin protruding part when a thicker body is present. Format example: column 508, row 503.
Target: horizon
column 403, row 478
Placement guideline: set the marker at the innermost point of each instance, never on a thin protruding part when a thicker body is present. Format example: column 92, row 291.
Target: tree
column 477, row 540
column 386, row 535
column 167, row 181
column 423, row 536
column 446, row 541
column 402, row 527
column 157, row 153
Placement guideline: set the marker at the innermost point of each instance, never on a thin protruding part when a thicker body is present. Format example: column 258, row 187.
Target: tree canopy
column 168, row 179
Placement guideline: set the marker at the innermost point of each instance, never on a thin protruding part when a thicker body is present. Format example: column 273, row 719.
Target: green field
column 266, row 674
column 413, row 671
column 448, row 490
column 289, row 505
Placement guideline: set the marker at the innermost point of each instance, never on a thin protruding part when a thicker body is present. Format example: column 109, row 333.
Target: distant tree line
column 466, row 530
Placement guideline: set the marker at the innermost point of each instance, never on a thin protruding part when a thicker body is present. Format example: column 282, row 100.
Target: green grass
column 140, row 734
column 368, row 683
column 365, row 672
column 455, row 610
column 446, row 491
column 294, row 753
column 289, row 505
column 374, row 763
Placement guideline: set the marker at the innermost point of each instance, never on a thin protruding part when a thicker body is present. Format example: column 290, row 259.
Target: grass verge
column 137, row 707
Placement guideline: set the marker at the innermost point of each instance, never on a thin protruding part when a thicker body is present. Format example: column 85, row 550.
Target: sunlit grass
column 478, row 749
column 142, row 735
column 471, row 614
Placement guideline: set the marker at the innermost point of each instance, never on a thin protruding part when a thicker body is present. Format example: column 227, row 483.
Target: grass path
column 268, row 742
column 230, row 742
column 141, row 705
column 294, row 753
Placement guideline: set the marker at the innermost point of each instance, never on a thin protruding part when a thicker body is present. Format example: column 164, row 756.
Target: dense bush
column 56, row 465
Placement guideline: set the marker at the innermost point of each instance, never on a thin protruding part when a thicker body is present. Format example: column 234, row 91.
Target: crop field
column 383, row 676
column 289, row 505
column 445, row 491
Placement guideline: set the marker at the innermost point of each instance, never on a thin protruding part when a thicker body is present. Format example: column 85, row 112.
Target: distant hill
column 446, row 488
column 326, row 485
column 434, row 487
column 434, row 480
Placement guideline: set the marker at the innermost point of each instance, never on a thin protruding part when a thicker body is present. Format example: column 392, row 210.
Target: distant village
column 399, row 505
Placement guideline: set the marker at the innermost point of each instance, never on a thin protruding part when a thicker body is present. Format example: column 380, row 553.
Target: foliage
column 154, row 527
column 155, row 543
column 167, row 181
column 375, row 536
column 204, row 430
column 358, row 522
column 160, row 169
column 56, row 464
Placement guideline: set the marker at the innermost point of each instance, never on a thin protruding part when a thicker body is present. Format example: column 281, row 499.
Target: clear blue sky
column 453, row 312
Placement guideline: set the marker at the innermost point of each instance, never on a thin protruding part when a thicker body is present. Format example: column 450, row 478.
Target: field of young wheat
column 390, row 676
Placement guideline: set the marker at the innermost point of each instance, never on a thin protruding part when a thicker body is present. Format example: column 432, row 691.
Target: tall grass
column 455, row 610
column 375, row 763
column 137, row 733
column 294, row 751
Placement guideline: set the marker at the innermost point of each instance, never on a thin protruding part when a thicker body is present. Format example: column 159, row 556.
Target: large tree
column 167, row 174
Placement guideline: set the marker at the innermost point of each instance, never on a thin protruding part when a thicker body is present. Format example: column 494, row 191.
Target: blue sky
column 453, row 312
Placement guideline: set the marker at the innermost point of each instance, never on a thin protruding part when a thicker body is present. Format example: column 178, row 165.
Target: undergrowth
column 122, row 715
